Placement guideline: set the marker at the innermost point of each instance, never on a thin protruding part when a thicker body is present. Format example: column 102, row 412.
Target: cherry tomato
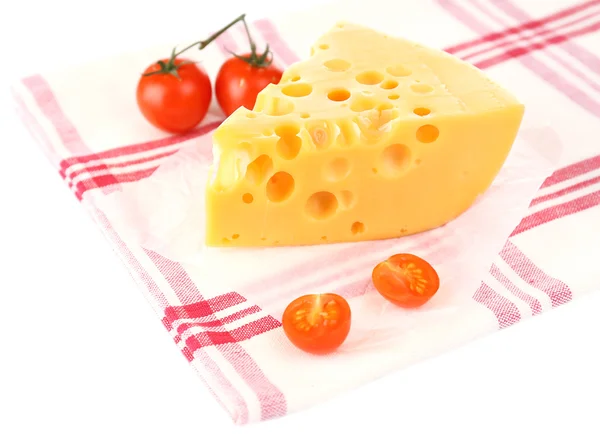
column 239, row 81
column 174, row 99
column 317, row 323
column 406, row 280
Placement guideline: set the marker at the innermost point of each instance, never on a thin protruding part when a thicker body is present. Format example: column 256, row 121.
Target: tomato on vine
column 242, row 77
column 174, row 94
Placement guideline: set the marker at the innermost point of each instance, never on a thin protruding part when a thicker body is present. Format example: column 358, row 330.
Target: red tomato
column 239, row 81
column 406, row 280
column 174, row 101
column 318, row 323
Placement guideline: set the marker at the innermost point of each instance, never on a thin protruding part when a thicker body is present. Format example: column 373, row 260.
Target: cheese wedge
column 372, row 137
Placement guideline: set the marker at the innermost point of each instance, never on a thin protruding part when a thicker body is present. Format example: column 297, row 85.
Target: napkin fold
column 519, row 251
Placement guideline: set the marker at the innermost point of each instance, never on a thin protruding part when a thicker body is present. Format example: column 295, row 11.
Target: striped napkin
column 536, row 231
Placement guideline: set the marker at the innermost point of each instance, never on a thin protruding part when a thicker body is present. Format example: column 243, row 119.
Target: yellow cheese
column 372, row 137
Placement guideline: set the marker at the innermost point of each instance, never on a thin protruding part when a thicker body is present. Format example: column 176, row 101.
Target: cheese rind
column 372, row 137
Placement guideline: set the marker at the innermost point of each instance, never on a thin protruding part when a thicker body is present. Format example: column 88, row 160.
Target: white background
column 74, row 362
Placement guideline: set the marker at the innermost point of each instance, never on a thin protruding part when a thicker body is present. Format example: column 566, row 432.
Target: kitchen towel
column 536, row 230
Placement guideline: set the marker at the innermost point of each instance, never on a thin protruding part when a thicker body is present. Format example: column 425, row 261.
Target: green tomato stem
column 254, row 59
column 171, row 68
column 202, row 44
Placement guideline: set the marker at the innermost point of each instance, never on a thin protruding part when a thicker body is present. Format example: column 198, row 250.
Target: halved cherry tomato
column 406, row 280
column 317, row 323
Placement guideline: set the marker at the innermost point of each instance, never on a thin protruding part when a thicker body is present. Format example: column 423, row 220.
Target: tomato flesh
column 238, row 83
column 172, row 104
column 406, row 280
column 317, row 323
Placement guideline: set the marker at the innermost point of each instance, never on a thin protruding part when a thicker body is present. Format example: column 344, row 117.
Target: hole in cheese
column 321, row 133
column 346, row 199
column 337, row 169
column 323, row 238
column 232, row 165
column 235, row 236
column 360, row 104
column 375, row 123
column 385, row 106
column 338, row 95
column 427, row 133
column 421, row 88
column 321, row 205
column 393, row 96
column 295, row 78
column 421, row 111
column 279, row 107
column 369, row 78
column 280, row 186
column 398, row 71
column 260, row 169
column 305, row 116
column 389, row 84
column 297, row 90
column 357, row 228
column 395, row 159
column 349, row 133
column 323, row 46
column 247, row 198
column 226, row 241
column 337, row 65
column 289, row 144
